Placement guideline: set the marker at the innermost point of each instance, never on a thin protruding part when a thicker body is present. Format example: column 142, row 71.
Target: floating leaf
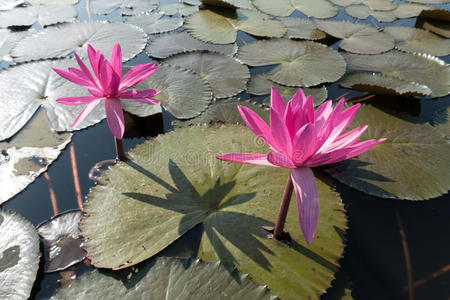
column 192, row 2
column 418, row 40
column 53, row 2
column 54, row 42
column 436, row 20
column 420, row 68
column 321, row 9
column 154, row 23
column 183, row 9
column 63, row 241
column 345, row 2
column 381, row 84
column 411, row 164
column 382, row 5
column 226, row 76
column 410, row 10
column 221, row 25
column 169, row 278
column 357, row 38
column 45, row 15
column 230, row 3
column 9, row 4
column 432, row 1
column 127, row 7
column 301, row 63
column 174, row 182
column 8, row 40
column 298, row 28
column 361, row 11
column 19, row 260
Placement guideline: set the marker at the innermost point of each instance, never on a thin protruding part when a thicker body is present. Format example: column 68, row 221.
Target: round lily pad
column 220, row 26
column 62, row 240
column 168, row 278
column 321, row 9
column 180, row 8
column 28, row 154
column 155, row 23
column 410, row 10
column 8, row 40
column 419, row 40
column 361, row 11
column 345, row 2
column 229, row 3
column 357, row 38
column 300, row 63
column 19, row 256
column 183, row 93
column 226, row 76
column 382, row 5
column 380, row 84
column 54, row 42
column 45, row 15
column 174, row 182
column 299, row 28
column 423, row 69
column 127, row 7
column 411, row 164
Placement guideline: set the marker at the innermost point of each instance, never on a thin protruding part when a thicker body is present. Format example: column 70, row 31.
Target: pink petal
column 76, row 100
column 280, row 160
column 304, row 144
column 136, row 75
column 73, row 78
column 114, row 116
column 116, row 59
column 86, row 111
column 276, row 102
column 298, row 99
column 347, row 139
column 94, row 57
column 246, row 158
column 329, row 123
column 256, row 124
column 280, row 133
column 86, row 71
column 307, row 197
column 109, row 80
column 308, row 109
column 322, row 113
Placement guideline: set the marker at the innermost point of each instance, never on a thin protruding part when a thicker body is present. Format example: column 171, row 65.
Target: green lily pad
column 174, row 182
column 247, row 4
column 432, row 1
column 54, row 42
column 127, row 7
column 299, row 28
column 8, row 40
column 345, row 2
column 168, row 278
column 381, row 5
column 183, row 93
column 436, row 20
column 380, row 84
column 173, row 43
column 361, row 11
column 45, row 15
column 155, row 23
column 180, row 8
column 321, row 9
column 9, row 4
column 28, row 154
column 19, row 260
column 53, row 2
column 357, row 38
column 63, row 242
column 261, row 85
column 226, row 76
column 420, row 68
column 418, row 162
column 225, row 111
column 300, row 63
column 220, row 26
column 410, row 10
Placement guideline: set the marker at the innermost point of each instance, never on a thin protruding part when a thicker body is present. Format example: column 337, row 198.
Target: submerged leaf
column 174, row 182
column 226, row 76
column 298, row 28
column 45, row 15
column 64, row 39
column 127, row 7
column 321, row 9
column 221, row 25
column 300, row 63
column 19, row 256
column 173, row 43
column 154, row 23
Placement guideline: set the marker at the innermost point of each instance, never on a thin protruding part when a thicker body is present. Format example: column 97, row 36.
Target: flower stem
column 281, row 219
column 119, row 149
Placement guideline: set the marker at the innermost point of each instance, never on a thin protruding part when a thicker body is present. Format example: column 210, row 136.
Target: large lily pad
column 357, row 38
column 63, row 242
column 420, row 68
column 127, row 7
column 299, row 28
column 45, row 15
column 174, row 182
column 381, row 5
column 345, row 2
column 28, row 154
column 9, row 4
column 362, row 11
column 8, row 40
column 19, row 260
column 321, row 9
column 380, row 84
column 410, row 10
column 419, row 40
column 155, row 23
column 173, row 43
column 220, row 26
column 180, row 8
column 64, row 39
column 226, row 76
column 168, row 278
column 412, row 164
column 230, row 3
column 300, row 63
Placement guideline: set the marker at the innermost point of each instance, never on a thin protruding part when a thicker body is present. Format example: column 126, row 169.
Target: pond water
column 374, row 259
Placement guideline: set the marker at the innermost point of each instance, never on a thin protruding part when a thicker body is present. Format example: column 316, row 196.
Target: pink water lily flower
column 108, row 86
column 302, row 138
